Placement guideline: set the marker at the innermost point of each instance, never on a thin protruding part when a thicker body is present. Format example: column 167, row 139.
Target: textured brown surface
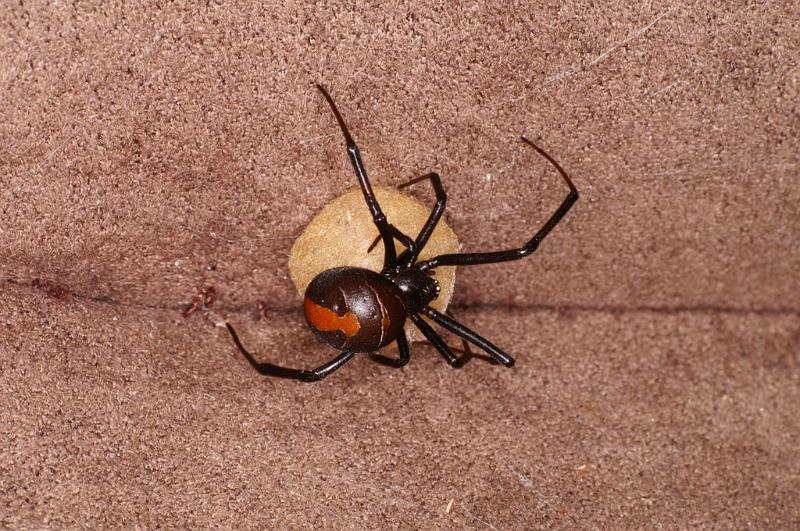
column 146, row 150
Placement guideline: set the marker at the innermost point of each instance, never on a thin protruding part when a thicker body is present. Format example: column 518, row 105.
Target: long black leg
column 403, row 239
column 397, row 233
column 409, row 256
column 402, row 347
column 462, row 331
column 378, row 217
column 465, row 349
column 406, row 240
column 268, row 369
column 513, row 254
column 465, row 345
column 437, row 341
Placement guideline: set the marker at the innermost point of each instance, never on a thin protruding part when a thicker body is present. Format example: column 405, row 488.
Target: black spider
column 358, row 310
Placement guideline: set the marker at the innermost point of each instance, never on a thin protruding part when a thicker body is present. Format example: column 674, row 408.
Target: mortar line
column 569, row 308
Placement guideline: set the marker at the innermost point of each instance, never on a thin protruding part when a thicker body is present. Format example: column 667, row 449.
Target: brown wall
column 148, row 149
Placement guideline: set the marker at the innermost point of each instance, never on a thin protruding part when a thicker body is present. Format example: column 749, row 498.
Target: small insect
column 356, row 310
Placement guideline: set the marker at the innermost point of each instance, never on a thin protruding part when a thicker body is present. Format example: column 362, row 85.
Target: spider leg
column 403, row 239
column 268, row 369
column 409, row 256
column 396, row 233
column 465, row 346
column 512, row 254
column 437, row 341
column 378, row 217
column 402, row 347
column 462, row 331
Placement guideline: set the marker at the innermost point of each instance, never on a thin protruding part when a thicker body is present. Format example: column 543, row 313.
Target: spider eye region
column 354, row 309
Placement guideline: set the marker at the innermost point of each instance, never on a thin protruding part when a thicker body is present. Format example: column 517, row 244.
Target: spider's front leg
column 409, row 256
column 378, row 217
column 407, row 242
column 458, row 259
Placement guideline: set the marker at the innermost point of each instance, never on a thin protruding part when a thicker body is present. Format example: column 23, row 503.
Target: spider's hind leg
column 268, row 369
column 404, row 353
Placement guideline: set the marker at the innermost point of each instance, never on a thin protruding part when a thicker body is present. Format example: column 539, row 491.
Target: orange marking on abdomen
column 326, row 320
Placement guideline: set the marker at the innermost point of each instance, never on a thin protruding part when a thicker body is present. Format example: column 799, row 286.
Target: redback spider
column 357, row 310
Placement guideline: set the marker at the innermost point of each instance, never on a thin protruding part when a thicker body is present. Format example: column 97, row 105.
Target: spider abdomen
column 354, row 309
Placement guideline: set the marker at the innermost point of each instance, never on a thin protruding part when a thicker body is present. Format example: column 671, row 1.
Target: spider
column 356, row 310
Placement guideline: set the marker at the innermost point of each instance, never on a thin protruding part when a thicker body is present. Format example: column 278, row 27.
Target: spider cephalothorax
column 356, row 310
